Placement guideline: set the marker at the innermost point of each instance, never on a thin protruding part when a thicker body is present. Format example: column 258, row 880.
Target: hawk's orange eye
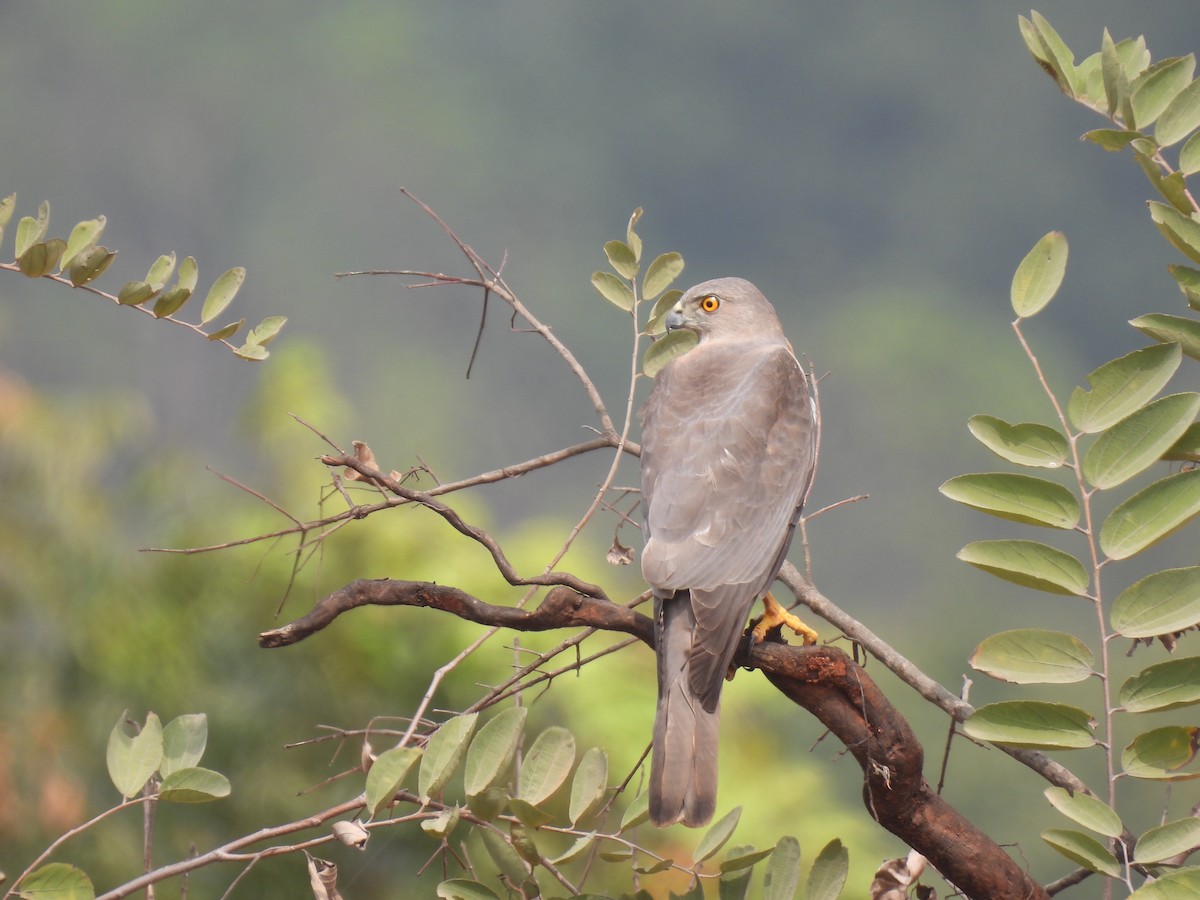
column 709, row 304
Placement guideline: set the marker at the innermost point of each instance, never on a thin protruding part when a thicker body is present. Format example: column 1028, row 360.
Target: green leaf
column 465, row 889
column 42, row 258
column 1034, row 656
column 56, row 881
column 528, row 813
column 1181, row 117
column 631, row 235
column 7, row 205
column 1030, row 564
column 1027, row 444
column 524, row 844
column 443, row 824
column 1162, row 603
column 1139, row 440
column 1177, row 885
column 161, row 270
column 266, row 331
column 1084, row 809
column 493, row 749
column 743, row 858
column 716, row 836
column 621, row 258
column 665, row 269
column 1188, row 281
column 91, row 265
column 637, row 813
column 1167, row 840
column 613, row 289
column 1058, row 57
column 1039, row 275
column 1161, row 754
column 227, row 331
column 783, row 871
column 488, row 804
column 1171, row 329
column 1082, row 849
column 576, row 850
column 1032, row 723
column 1169, row 685
column 829, row 871
column 387, row 774
column 443, row 754
column 221, row 294
column 170, row 303
column 193, row 785
column 83, row 237
column 503, row 855
column 734, row 884
column 590, row 785
column 31, row 230
column 1189, row 156
column 252, row 351
column 1021, row 498
column 1182, row 231
column 656, row 324
column 1116, row 85
column 135, row 293
column 184, row 740
column 131, row 758
column 546, row 765
column 1153, row 90
column 1187, row 448
column 1152, row 514
column 1121, row 386
column 665, row 349
column 1111, row 139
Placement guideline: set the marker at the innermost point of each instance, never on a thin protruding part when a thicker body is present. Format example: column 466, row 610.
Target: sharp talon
column 774, row 616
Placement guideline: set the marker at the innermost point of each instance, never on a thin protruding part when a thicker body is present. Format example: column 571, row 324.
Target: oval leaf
column 82, row 238
column 387, row 774
column 443, row 753
column 1152, row 514
column 1181, row 231
column 717, row 835
column 1171, row 329
column 1139, row 440
column 744, row 858
column 1039, row 275
column 1032, row 723
column 31, row 230
column 502, row 853
column 665, row 269
column 227, row 331
column 465, row 889
column 546, row 765
column 528, row 813
column 734, row 884
column 221, row 294
column 1021, row 498
column 133, row 758
column 1168, row 685
column 56, row 881
column 1030, row 564
column 1082, row 849
column 665, row 349
column 1027, row 444
column 266, row 330
column 1162, row 753
column 1171, row 886
column 1086, row 810
column 1180, row 118
column 1121, row 386
column 1187, row 448
column 135, row 293
column 1034, row 656
column 160, row 272
column 91, row 265
column 1153, row 90
column 184, row 740
column 613, row 289
column 621, row 258
column 829, row 871
column 783, row 871
column 1167, row 840
column 492, row 750
column 637, row 813
column 1189, row 156
column 42, row 258
column 194, row 785
column 1162, row 603
column 170, row 303
column 589, row 786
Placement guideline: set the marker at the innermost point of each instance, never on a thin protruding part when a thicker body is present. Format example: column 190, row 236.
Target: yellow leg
column 775, row 615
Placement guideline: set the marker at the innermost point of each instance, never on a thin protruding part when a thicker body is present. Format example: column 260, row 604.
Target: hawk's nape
column 728, row 449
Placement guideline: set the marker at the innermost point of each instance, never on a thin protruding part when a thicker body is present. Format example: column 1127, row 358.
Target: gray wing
column 728, row 450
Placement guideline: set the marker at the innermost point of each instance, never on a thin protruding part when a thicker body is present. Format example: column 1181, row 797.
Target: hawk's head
column 725, row 308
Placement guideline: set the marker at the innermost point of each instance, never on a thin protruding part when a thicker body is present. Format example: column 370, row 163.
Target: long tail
column 683, row 765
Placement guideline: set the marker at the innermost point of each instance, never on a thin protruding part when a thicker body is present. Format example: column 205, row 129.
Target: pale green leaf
column 226, row 331
column 221, row 294
column 188, row 273
column 135, row 293
column 266, row 330
column 1189, row 155
column 42, row 258
column 1153, row 90
column 443, row 824
column 1082, row 849
column 1034, row 656
column 492, row 751
column 613, row 289
column 503, row 854
column 665, row 349
column 1032, row 723
column 1021, row 498
column 1139, row 440
column 31, row 230
column 170, row 302
column 622, row 259
column 1167, row 840
column 1039, row 275
column 1162, row 753
column 1084, row 809
column 386, row 775
column 1150, row 515
column 1030, row 564
column 631, row 235
column 1111, row 139
column 734, row 884
column 743, row 858
column 664, row 270
column 443, row 754
column 184, row 740
column 193, row 785
column 1187, row 448
column 161, row 271
column 1162, row 603
column 83, row 237
column 716, row 836
column 782, row 878
column 637, row 813
column 1181, row 117
column 1121, row 386
column 1182, row 231
column 1058, row 56
column 1112, row 74
column 589, row 786
column 133, row 758
column 1026, row 444
column 829, row 872
column 581, row 846
column 1171, row 329
column 1168, row 685
column 488, row 804
column 1182, row 884
column 1189, row 283
column 91, row 265
column 465, row 889
column 529, row 814
column 546, row 765
column 56, row 881
column 252, row 351
column 7, row 206
column 656, row 323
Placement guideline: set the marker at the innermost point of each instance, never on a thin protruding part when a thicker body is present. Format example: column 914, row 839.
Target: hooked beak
column 675, row 318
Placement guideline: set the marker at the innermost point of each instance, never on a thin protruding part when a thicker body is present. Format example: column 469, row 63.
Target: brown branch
column 822, row 679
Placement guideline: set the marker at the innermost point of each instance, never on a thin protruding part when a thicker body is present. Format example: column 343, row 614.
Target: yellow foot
column 775, row 615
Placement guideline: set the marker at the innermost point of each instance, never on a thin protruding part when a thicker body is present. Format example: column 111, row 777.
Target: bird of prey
column 728, row 451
